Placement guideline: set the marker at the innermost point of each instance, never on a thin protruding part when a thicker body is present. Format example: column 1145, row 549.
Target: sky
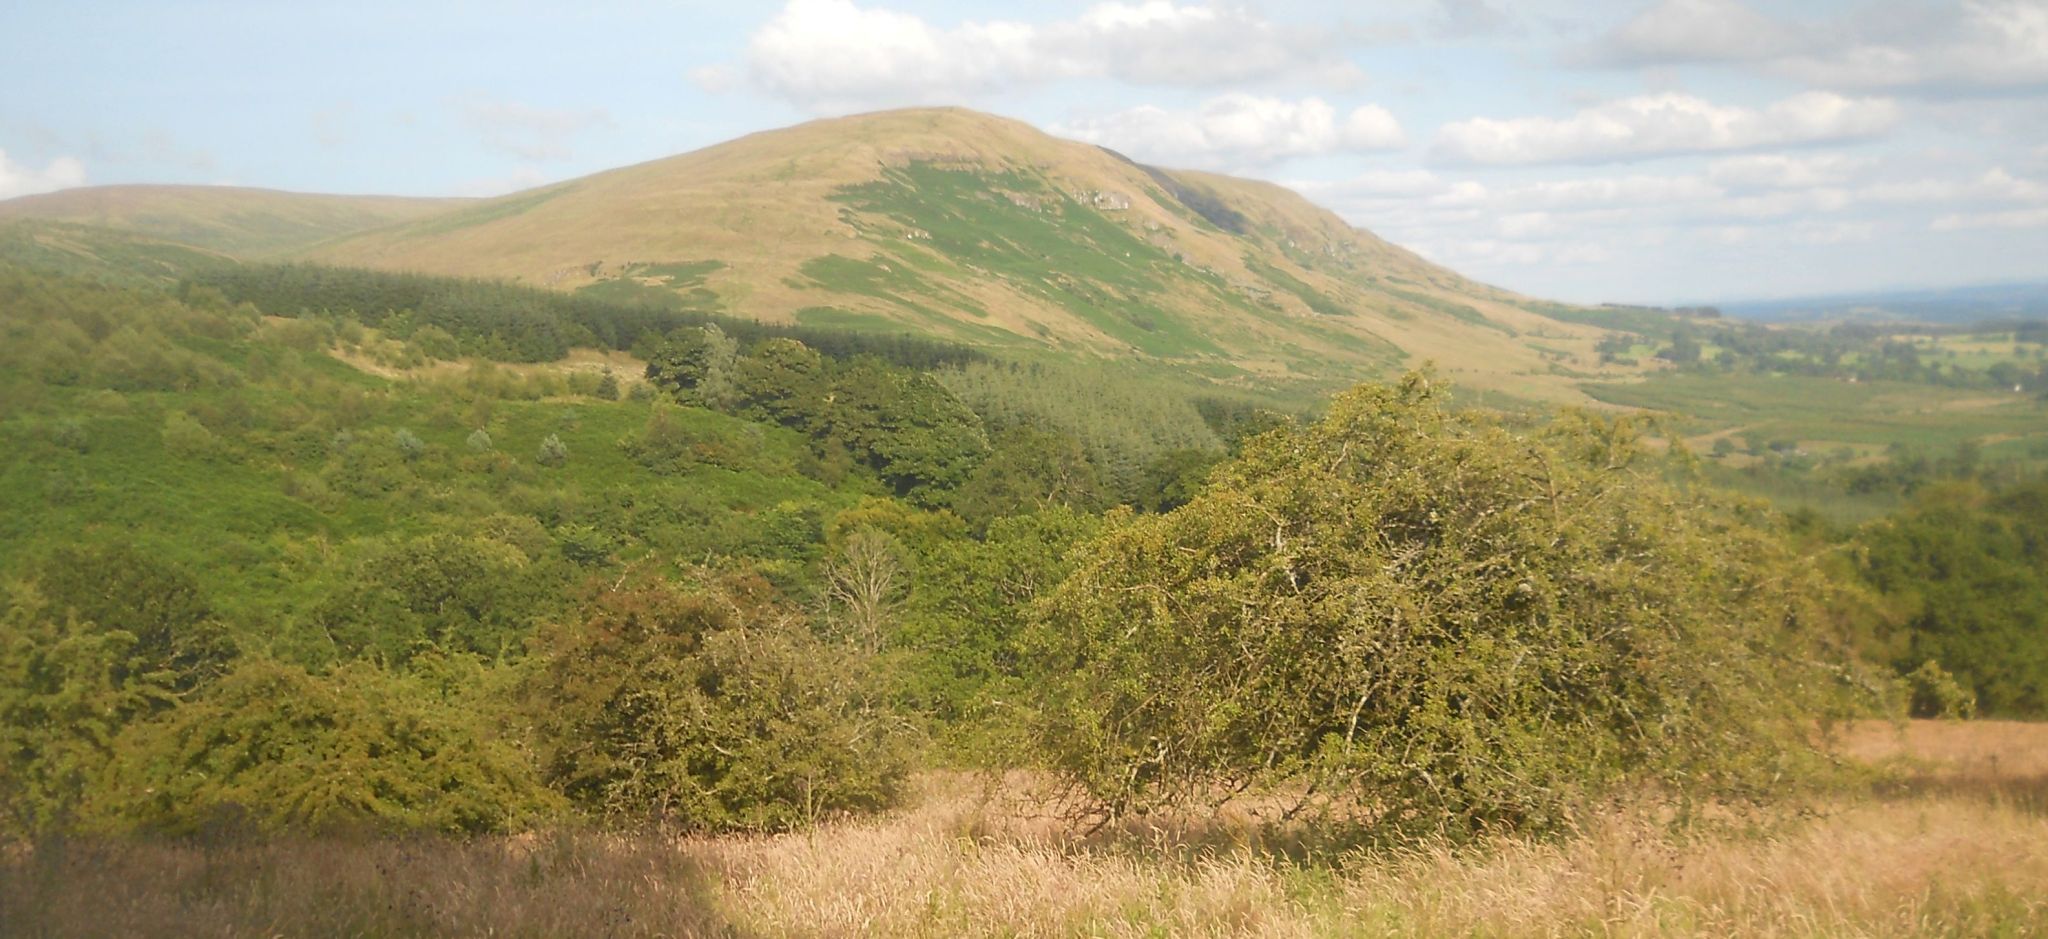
column 1583, row 150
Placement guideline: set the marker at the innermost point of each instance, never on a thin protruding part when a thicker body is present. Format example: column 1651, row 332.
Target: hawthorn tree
column 1426, row 620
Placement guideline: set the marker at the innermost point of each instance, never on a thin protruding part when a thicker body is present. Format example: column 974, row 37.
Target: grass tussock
column 1946, row 845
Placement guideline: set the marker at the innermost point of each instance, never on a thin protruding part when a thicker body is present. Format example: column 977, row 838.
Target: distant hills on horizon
column 1938, row 305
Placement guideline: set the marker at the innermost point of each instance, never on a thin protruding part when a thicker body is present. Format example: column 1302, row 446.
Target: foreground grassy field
column 1952, row 840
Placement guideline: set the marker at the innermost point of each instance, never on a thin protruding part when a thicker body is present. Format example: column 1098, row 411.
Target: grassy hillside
column 244, row 223
column 985, row 230
column 102, row 254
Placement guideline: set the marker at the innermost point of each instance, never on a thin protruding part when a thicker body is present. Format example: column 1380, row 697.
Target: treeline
column 510, row 323
column 1849, row 351
column 985, row 441
column 1964, row 571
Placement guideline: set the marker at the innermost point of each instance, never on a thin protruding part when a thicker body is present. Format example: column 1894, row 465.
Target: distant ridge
column 1947, row 305
column 243, row 223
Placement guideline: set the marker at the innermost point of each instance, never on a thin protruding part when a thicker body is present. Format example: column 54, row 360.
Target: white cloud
column 1158, row 42
column 1985, row 44
column 1371, row 127
column 2012, row 218
column 1526, row 225
column 1512, row 253
column 715, row 79
column 1403, row 184
column 1465, row 19
column 1833, row 233
column 19, row 180
column 527, row 132
column 1662, row 124
column 1603, row 192
column 834, row 55
column 1784, row 203
column 1785, row 171
column 1237, row 130
column 1676, row 31
column 1995, row 186
column 1976, row 44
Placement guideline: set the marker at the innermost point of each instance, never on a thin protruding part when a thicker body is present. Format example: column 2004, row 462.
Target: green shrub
column 66, row 689
column 552, row 451
column 1433, row 623
column 273, row 748
column 185, row 437
column 467, row 594
column 711, row 709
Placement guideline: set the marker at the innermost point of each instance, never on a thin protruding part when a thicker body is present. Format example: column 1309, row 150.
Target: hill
column 242, row 223
column 976, row 228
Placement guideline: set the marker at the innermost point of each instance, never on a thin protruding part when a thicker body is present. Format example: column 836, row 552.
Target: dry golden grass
column 1943, row 858
column 2013, row 750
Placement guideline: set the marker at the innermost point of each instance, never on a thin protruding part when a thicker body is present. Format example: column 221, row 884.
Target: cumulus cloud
column 835, row 55
column 1986, row 44
column 1812, row 201
column 1978, row 44
column 1239, row 130
column 1502, row 252
column 1833, row 233
column 1400, row 184
column 1996, row 186
column 1466, row 19
column 1660, row 125
column 17, row 179
column 1785, row 171
column 1677, row 31
column 527, row 132
column 2010, row 218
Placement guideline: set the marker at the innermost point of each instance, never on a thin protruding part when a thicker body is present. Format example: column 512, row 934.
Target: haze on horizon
column 1589, row 151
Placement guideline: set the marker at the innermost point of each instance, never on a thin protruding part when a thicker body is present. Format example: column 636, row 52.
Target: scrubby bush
column 273, row 748
column 468, row 594
column 1428, row 620
column 409, row 444
column 185, row 437
column 553, row 452
column 711, row 708
column 98, row 638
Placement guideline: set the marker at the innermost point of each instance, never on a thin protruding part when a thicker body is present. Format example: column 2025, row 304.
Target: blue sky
column 1594, row 150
